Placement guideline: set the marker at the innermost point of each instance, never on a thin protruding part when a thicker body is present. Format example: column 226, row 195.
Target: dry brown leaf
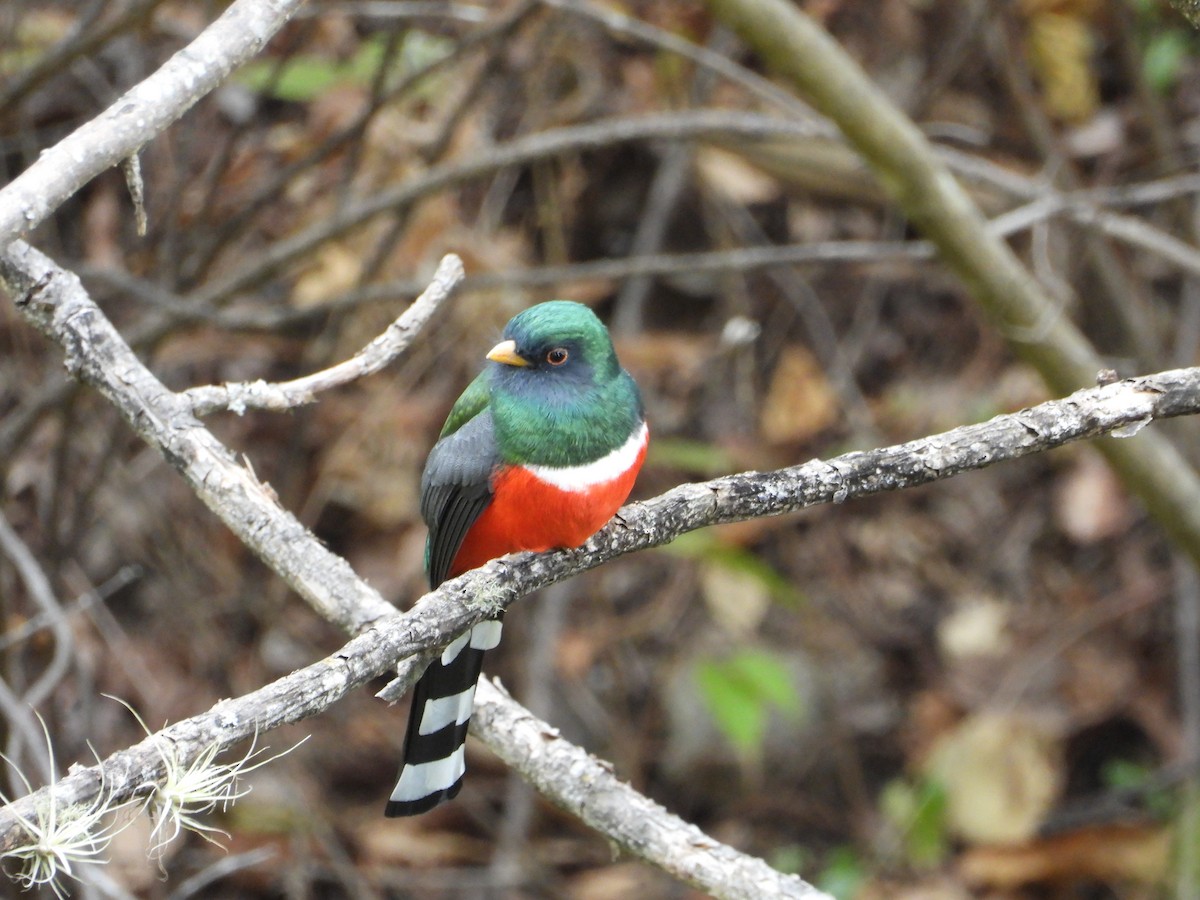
column 733, row 177
column 931, row 714
column 935, row 888
column 615, row 882
column 127, row 862
column 425, row 239
column 1001, row 773
column 737, row 600
column 1105, row 132
column 1138, row 853
column 333, row 270
column 682, row 355
column 1098, row 679
column 1079, row 8
column 1090, row 504
column 334, row 110
column 41, row 28
column 1061, row 51
column 978, row 626
column 575, row 653
column 392, row 563
column 412, row 842
column 800, row 402
column 374, row 464
column 671, row 368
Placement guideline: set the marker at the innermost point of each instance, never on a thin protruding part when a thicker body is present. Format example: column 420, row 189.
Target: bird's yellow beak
column 506, row 352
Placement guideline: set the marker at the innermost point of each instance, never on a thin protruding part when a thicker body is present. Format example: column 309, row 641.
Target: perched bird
column 539, row 452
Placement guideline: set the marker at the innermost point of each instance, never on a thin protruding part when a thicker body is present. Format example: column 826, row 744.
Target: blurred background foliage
column 977, row 688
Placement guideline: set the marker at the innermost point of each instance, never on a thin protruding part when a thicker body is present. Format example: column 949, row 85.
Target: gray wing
column 455, row 490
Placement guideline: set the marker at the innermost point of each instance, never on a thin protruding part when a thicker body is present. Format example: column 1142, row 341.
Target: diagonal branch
column 140, row 114
column 584, row 786
column 55, row 302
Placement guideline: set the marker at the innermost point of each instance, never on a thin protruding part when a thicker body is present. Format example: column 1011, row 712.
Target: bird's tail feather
column 434, row 746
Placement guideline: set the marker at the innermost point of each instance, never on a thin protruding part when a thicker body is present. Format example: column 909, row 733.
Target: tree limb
column 585, row 787
column 55, row 302
column 140, row 114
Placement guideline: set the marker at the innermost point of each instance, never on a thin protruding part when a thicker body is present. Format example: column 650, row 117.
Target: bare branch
column 42, row 594
column 98, row 355
column 18, row 710
column 708, row 124
column 88, row 34
column 585, row 787
column 140, row 114
column 382, row 351
column 55, row 302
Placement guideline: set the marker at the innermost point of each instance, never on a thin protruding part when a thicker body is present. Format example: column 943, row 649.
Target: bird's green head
column 557, row 388
column 553, row 344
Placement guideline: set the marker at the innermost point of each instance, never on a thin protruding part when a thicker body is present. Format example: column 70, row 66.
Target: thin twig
column 383, row 350
column 461, row 602
column 17, row 708
column 666, row 190
column 131, row 168
column 98, row 595
column 619, row 23
column 1187, row 648
column 224, row 866
column 84, row 38
column 394, row 199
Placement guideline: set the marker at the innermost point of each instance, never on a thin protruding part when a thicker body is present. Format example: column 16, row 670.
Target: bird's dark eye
column 557, row 356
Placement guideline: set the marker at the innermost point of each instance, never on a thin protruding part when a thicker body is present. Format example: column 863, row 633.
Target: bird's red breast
column 537, row 508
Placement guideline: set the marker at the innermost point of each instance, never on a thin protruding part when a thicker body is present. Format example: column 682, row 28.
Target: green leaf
column 1164, row 58
column 1126, row 775
column 13, row 61
column 790, row 858
column 306, row 76
column 741, row 690
column 1123, row 773
column 766, row 677
column 741, row 718
column 918, row 812
column 843, row 874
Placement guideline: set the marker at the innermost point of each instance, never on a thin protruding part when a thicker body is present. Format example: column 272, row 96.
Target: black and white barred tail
column 435, row 744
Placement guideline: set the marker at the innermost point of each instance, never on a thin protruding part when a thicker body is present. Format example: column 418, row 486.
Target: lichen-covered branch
column 55, row 302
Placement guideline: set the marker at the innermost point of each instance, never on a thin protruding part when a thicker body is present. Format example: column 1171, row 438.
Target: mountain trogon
column 539, row 452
